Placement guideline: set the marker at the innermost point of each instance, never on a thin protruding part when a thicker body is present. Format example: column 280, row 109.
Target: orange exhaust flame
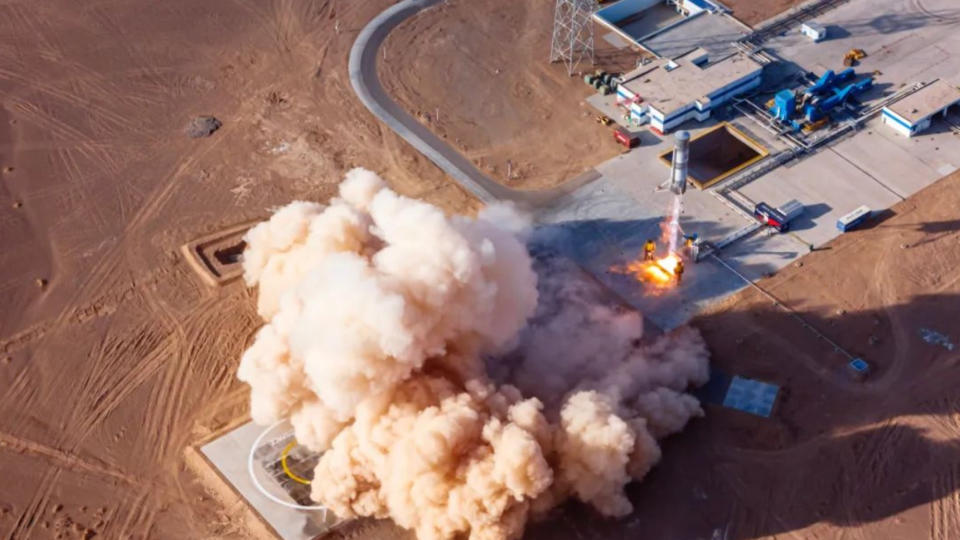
column 660, row 273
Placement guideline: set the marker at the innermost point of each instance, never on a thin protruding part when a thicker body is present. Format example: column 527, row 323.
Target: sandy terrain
column 754, row 12
column 108, row 366
column 483, row 67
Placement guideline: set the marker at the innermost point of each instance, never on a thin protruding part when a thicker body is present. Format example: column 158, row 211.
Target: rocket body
column 678, row 169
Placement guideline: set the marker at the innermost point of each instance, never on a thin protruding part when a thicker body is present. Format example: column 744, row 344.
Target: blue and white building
column 670, row 92
column 914, row 113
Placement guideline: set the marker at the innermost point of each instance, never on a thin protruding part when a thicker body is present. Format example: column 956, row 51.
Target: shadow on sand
column 834, row 451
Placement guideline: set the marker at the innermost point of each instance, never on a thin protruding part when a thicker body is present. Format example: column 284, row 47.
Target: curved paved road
column 363, row 77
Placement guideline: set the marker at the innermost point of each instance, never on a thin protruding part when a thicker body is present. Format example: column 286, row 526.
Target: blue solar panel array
column 748, row 395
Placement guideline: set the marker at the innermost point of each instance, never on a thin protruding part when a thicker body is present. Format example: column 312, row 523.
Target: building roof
column 925, row 102
column 668, row 88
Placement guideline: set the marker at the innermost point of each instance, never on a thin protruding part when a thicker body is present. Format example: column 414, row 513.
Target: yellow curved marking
column 286, row 469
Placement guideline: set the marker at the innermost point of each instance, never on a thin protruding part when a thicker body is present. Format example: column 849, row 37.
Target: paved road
column 363, row 77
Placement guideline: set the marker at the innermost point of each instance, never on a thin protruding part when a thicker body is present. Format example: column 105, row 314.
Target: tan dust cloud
column 384, row 317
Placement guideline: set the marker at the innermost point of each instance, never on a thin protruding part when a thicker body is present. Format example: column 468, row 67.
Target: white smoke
column 380, row 312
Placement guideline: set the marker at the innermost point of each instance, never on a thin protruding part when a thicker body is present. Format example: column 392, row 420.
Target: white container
column 791, row 209
column 814, row 31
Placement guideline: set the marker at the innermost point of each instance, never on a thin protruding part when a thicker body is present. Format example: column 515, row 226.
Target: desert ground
column 753, row 12
column 111, row 350
column 483, row 83
column 114, row 357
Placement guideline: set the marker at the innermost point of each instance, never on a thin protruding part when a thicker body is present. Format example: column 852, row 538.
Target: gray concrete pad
column 713, row 32
column 615, row 40
column 828, row 185
column 229, row 453
column 907, row 41
column 650, row 20
column 938, row 147
column 889, row 157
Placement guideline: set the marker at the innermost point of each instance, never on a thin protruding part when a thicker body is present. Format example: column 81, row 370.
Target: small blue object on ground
column 748, row 395
column 859, row 365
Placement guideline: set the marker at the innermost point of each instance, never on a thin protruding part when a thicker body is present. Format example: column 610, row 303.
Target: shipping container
column 791, row 210
column 853, row 219
column 626, row 138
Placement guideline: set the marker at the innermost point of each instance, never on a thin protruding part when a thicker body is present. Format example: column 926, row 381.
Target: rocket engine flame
column 659, row 273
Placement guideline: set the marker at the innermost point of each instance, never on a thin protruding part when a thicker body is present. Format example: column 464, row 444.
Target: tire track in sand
column 945, row 508
column 63, row 459
column 38, row 503
column 159, row 197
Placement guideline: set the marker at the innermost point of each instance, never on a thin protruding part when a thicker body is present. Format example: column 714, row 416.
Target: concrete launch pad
column 293, row 516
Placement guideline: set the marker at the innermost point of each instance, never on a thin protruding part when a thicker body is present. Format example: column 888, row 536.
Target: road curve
column 366, row 84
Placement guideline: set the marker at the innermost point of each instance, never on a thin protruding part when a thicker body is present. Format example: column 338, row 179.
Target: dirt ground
column 110, row 361
column 477, row 74
column 754, row 12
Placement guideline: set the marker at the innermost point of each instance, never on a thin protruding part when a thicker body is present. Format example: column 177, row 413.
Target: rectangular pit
column 216, row 258
column 717, row 153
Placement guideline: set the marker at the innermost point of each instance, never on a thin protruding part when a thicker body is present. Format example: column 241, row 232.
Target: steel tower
column 573, row 33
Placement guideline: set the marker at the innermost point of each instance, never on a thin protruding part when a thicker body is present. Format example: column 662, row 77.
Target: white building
column 913, row 114
column 814, row 31
column 670, row 92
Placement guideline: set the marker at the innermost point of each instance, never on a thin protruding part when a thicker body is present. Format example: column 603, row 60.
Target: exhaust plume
column 411, row 349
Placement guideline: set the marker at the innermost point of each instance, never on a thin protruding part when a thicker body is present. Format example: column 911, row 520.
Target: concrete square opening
column 717, row 153
column 216, row 258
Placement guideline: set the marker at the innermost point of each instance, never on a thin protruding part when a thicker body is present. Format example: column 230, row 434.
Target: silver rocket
column 678, row 169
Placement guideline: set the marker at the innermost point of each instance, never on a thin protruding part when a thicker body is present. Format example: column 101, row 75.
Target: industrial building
column 672, row 91
column 914, row 113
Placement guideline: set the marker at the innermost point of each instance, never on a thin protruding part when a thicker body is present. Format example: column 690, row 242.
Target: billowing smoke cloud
column 397, row 342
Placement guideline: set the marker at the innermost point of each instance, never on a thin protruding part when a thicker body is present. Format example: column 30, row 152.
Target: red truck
column 769, row 215
column 626, row 138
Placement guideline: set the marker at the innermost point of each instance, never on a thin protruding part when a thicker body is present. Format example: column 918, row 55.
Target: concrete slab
column 938, row 147
column 906, row 41
column 650, row 20
column 615, row 40
column 713, row 32
column 883, row 158
column 829, row 185
column 229, row 455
